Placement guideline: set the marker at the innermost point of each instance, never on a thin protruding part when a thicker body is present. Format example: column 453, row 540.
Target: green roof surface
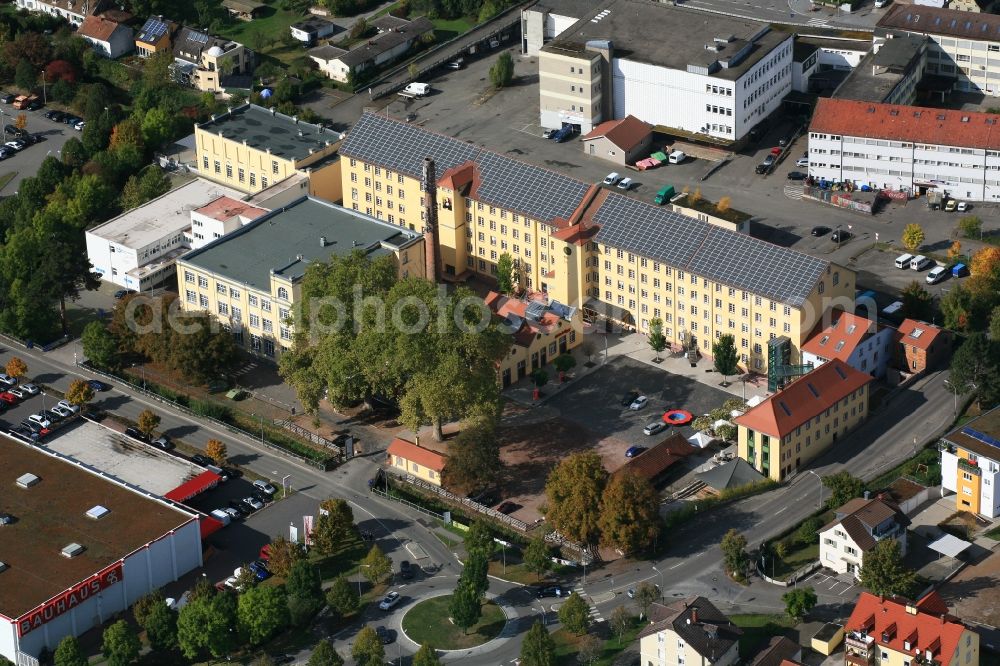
column 286, row 240
column 286, row 137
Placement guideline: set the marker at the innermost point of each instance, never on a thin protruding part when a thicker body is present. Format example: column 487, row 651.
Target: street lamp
column 820, row 479
column 661, row 578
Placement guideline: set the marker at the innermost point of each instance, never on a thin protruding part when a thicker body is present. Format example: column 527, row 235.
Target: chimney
column 432, row 254
column 868, row 494
column 694, row 616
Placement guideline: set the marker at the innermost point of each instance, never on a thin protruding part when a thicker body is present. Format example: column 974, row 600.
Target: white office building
column 906, row 148
column 137, row 249
column 705, row 76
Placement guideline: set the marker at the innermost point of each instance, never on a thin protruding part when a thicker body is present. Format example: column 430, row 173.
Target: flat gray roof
column 878, row 73
column 286, row 240
column 669, row 36
column 570, row 8
column 261, row 129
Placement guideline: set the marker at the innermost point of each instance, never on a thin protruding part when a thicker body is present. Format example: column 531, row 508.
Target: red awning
column 193, row 487
column 209, row 526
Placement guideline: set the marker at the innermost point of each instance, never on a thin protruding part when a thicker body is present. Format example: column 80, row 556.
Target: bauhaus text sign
column 69, row 599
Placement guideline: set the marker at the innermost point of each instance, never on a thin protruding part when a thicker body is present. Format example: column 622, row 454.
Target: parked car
column 820, row 231
column 136, row 434
column 783, row 141
column 625, row 184
column 802, row 161
column 612, row 178
column 23, row 432
column 71, row 120
column 937, row 274
column 457, row 63
column 34, row 426
column 16, row 145
column 199, row 459
column 264, row 486
column 8, row 398
column 638, row 403
column 66, row 404
column 233, row 513
column 633, row 451
column 41, row 419
column 247, row 506
column 405, row 569
column 122, row 293
column 949, row 207
column 389, row 601
column 30, row 389
column 261, row 497
column 7, row 380
column 80, row 125
column 260, row 571
column 18, row 392
column 6, row 98
column 629, row 398
column 961, row 207
column 4, row 153
column 839, row 236
column 254, row 502
column 57, row 116
column 797, row 175
column 163, row 443
column 549, row 133
column 98, row 385
column 766, row 165
column 654, row 427
column 238, row 506
column 383, row 635
column 61, row 411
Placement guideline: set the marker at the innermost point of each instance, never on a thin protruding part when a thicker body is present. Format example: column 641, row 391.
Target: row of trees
column 725, row 356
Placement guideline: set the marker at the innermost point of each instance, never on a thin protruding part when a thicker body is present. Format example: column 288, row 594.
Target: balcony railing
column 969, row 467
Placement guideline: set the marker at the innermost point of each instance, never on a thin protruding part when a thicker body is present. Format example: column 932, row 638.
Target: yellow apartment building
column 612, row 256
column 409, row 458
column 251, row 278
column 970, row 465
column 788, row 429
column 251, row 148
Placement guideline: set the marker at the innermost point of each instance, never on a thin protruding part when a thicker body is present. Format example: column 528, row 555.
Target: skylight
column 840, row 345
column 851, row 328
column 916, row 333
column 824, row 340
column 812, row 389
column 784, row 408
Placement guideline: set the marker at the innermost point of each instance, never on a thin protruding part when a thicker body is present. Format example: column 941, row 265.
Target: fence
column 838, row 199
column 325, row 465
column 382, row 493
column 465, row 501
column 342, row 449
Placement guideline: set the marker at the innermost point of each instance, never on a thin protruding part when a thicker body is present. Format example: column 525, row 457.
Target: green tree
column 657, row 340
column 725, row 357
column 538, row 648
column 465, row 609
column 205, row 625
column 426, row 656
column 630, row 517
column 304, row 587
column 808, row 532
column 367, row 648
column 324, row 655
column 977, row 363
column 475, row 573
column 574, row 614
column 505, row 274
column 646, row 595
column 734, row 552
column 69, row 653
column 502, row 71
column 994, row 330
column 479, row 538
column 342, row 597
column 139, row 189
column 74, row 155
column 882, row 570
column 25, row 76
column 282, row 555
column 573, row 491
column 588, row 649
column 147, row 421
column 160, row 625
column 799, row 602
column 262, row 612
column 970, row 226
column 913, row 236
column 564, row 363
column 917, row 302
column 473, row 461
column 157, row 128
column 334, row 526
column 376, row 566
column 843, row 488
column 120, row 644
column 536, row 557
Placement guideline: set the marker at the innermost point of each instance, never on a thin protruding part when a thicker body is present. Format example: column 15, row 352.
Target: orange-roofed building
column 921, row 346
column 109, row 38
column 219, row 217
column 540, row 330
column 860, row 343
column 415, row 460
column 793, row 426
column 899, row 632
column 620, row 141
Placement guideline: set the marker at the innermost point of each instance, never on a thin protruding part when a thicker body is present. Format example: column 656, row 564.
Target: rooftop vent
column 965, row 119
column 27, row 480
column 98, row 512
column 715, row 48
column 72, row 550
column 893, row 112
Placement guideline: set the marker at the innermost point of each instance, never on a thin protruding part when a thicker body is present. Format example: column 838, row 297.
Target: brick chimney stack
column 694, row 616
column 431, row 251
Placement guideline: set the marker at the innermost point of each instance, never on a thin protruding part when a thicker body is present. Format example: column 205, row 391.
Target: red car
column 9, row 398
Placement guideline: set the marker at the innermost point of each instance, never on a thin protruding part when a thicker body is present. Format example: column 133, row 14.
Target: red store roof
column 194, row 487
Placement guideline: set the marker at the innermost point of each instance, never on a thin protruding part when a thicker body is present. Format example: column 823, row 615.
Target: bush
column 808, row 532
column 212, row 410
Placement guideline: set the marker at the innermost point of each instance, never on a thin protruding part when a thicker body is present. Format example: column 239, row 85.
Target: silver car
column 654, row 427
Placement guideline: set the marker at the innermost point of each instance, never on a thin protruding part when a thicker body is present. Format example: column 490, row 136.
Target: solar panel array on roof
column 981, row 436
column 197, row 37
column 540, row 193
column 152, row 30
column 713, row 252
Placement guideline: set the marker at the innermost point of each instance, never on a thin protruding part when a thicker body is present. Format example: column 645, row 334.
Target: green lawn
column 758, row 628
column 344, row 561
column 445, row 29
column 797, row 557
column 273, row 25
column 567, row 645
column 6, row 178
column 446, row 540
column 993, row 534
column 428, row 622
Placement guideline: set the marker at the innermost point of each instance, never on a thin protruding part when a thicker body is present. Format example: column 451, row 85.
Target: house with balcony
column 898, row 632
column 210, row 63
column 857, row 527
column 970, row 464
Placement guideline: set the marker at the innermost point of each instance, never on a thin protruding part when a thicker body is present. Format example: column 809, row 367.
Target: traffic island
column 428, row 622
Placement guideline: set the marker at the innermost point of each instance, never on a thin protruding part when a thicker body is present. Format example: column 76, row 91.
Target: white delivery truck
column 415, row 90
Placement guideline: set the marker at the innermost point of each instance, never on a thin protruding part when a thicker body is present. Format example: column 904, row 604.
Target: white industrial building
column 80, row 549
column 137, row 249
column 906, row 148
column 545, row 20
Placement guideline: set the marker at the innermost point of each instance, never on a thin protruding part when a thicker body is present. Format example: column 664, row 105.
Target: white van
column 417, row 89
column 903, row 261
column 920, row 262
column 937, row 274
column 220, row 516
column 676, row 157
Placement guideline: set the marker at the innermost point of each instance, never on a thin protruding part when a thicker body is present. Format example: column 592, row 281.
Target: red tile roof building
column 620, row 141
column 858, row 342
column 920, row 346
column 415, row 460
column 793, row 426
column 895, row 632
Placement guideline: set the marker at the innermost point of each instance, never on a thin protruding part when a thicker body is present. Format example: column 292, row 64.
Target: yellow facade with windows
column 970, row 483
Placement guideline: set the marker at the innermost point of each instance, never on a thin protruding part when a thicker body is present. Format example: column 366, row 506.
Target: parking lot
column 26, row 162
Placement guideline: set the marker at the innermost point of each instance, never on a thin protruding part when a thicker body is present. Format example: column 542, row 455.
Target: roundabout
column 428, row 622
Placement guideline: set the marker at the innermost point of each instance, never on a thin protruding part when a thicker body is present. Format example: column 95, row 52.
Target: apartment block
column 704, row 76
column 906, row 148
column 251, row 148
column 784, row 432
column 251, row 279
column 860, row 343
column 854, row 531
column 970, row 465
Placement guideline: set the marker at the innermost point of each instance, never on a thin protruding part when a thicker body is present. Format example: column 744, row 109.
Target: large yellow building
column 251, row 279
column 612, row 256
column 251, row 148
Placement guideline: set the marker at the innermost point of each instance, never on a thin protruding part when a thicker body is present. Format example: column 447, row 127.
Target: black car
column 57, row 116
column 136, row 434
column 34, row 106
column 199, row 459
column 98, row 385
column 797, row 175
column 629, row 398
column 70, row 119
column 839, row 236
column 820, row 231
column 35, row 428
column 23, row 432
column 239, row 506
column 247, row 507
column 122, row 293
column 6, row 98
column 232, row 472
column 383, row 635
column 406, row 569
column 549, row 591
column 10, row 129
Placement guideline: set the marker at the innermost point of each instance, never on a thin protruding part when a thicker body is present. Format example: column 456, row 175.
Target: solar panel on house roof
column 152, row 30
column 401, row 147
column 981, row 436
column 197, row 37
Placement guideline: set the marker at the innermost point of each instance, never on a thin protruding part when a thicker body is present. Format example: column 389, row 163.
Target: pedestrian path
column 793, row 192
column 595, row 615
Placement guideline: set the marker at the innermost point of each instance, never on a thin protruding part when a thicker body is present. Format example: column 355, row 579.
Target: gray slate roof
column 276, row 241
column 698, row 623
column 733, row 474
column 732, row 258
column 262, row 129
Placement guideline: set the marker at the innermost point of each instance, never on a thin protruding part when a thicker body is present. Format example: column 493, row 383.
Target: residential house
column 621, row 260
column 860, row 343
column 155, row 36
column 854, row 531
column 395, row 37
column 620, row 141
column 920, row 346
column 244, row 10
column 689, row 631
column 109, row 38
column 415, row 460
column 970, row 465
column 73, row 11
column 251, row 278
column 892, row 631
column 205, row 62
column 780, row 651
column 252, row 148
column 784, row 432
column 312, row 29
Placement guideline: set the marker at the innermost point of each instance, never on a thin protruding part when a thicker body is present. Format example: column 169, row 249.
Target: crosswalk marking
column 594, row 613
column 793, row 192
column 817, row 21
column 246, row 368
